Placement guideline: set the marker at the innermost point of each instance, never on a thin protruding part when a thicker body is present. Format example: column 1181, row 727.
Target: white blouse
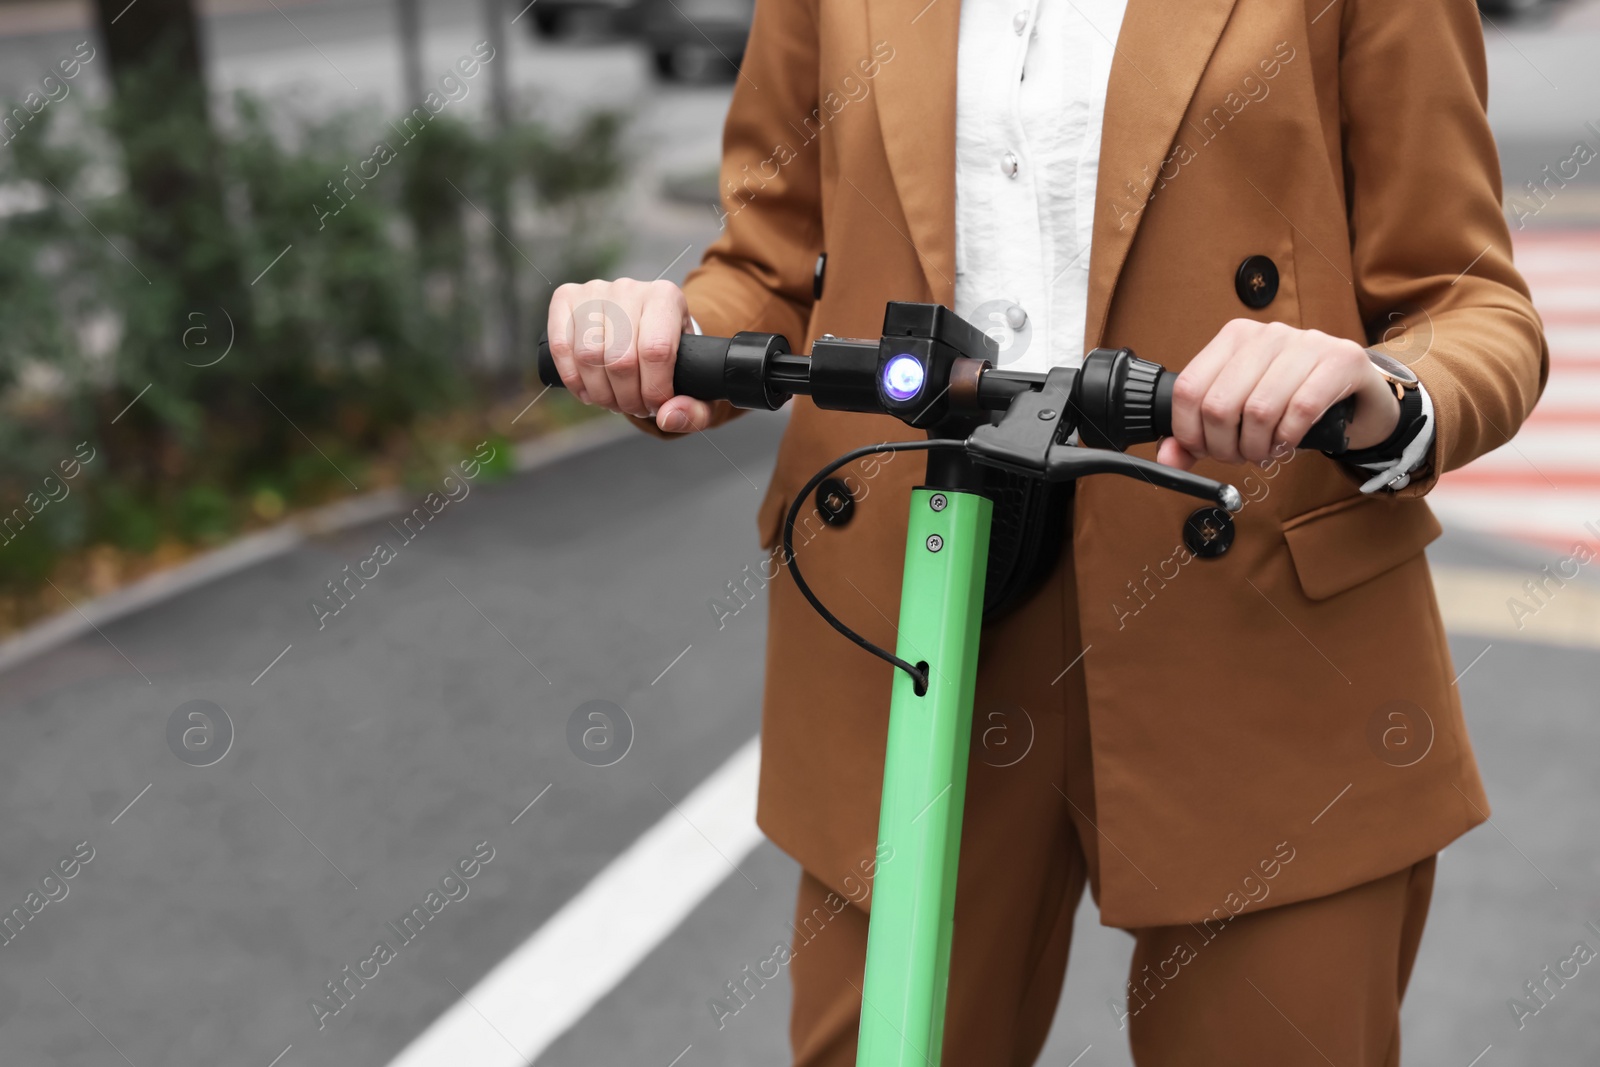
column 1031, row 80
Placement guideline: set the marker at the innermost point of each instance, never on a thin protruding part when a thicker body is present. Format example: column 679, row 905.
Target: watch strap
column 1406, row 429
column 1389, row 464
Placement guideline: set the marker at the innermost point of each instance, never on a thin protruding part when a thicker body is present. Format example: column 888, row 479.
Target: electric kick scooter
column 932, row 370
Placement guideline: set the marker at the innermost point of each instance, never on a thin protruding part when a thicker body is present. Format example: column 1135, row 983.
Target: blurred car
column 692, row 40
column 688, row 40
column 1509, row 7
column 560, row 18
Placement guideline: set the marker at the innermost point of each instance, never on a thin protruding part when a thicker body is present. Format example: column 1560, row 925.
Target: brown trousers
column 1310, row 983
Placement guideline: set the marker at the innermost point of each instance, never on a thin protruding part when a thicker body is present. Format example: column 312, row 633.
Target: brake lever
column 1065, row 463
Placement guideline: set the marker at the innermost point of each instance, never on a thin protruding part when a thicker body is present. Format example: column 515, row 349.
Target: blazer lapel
column 1163, row 48
column 917, row 114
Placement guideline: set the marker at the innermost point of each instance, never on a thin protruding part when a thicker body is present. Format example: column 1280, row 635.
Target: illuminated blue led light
column 903, row 377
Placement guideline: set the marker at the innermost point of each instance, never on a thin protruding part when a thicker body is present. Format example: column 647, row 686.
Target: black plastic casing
column 936, row 336
column 843, row 374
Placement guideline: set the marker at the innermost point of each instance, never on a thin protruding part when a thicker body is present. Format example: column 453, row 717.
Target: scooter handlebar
column 1119, row 399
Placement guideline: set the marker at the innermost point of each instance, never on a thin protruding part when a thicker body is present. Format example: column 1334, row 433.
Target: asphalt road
column 383, row 749
column 373, row 756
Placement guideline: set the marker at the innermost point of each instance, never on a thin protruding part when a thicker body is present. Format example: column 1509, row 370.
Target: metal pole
column 511, row 354
column 408, row 18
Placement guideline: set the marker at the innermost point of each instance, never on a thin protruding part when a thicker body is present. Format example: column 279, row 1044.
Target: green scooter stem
column 925, row 781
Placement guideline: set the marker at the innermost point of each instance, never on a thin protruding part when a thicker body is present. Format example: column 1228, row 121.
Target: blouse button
column 1016, row 317
column 1019, row 22
column 1008, row 164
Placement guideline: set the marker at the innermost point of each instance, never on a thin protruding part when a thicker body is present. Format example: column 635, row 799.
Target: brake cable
column 918, row 673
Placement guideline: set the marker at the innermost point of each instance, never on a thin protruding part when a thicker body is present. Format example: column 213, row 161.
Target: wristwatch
column 1390, row 463
column 1407, row 390
column 1399, row 376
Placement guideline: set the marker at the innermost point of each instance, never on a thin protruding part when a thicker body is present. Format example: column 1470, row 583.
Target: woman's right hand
column 615, row 345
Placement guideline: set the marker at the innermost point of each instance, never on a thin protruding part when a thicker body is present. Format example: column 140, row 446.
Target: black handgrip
column 547, row 365
column 1327, row 434
column 1122, row 400
column 697, row 372
column 742, row 369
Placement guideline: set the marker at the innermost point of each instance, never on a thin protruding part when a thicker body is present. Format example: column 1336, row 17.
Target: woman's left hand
column 1255, row 390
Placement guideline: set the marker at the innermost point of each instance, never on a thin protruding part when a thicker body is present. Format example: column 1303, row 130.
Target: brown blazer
column 1231, row 699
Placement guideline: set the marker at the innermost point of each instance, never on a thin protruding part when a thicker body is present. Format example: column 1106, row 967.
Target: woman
column 1250, row 756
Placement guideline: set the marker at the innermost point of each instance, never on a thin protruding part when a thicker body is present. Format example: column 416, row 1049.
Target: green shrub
column 348, row 330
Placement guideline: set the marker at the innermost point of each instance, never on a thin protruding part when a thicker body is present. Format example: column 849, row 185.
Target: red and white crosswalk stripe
column 1544, row 486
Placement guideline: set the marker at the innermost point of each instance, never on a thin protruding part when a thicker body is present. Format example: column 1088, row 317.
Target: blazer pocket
column 1341, row 545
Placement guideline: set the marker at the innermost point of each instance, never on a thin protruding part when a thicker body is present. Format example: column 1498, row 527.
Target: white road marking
column 1539, row 258
column 1574, row 341
column 1544, row 486
column 1571, row 390
column 1560, row 299
column 598, row 937
column 1549, row 446
column 1553, row 517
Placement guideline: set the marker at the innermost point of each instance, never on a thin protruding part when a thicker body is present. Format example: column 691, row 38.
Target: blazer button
column 817, row 273
column 835, row 503
column 1208, row 532
column 1256, row 281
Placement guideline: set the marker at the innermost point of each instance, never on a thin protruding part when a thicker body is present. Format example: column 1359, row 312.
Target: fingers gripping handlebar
column 932, row 369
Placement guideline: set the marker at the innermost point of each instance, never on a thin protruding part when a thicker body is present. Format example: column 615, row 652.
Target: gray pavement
column 375, row 754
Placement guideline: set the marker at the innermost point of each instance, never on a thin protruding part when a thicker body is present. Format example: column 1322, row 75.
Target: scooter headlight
column 903, row 377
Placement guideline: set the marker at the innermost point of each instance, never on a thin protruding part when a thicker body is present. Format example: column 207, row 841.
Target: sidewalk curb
column 275, row 541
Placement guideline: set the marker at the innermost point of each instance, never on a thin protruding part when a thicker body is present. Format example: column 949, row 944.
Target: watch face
column 1392, row 367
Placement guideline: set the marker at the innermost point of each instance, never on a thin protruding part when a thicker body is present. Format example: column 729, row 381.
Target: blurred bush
column 360, row 356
